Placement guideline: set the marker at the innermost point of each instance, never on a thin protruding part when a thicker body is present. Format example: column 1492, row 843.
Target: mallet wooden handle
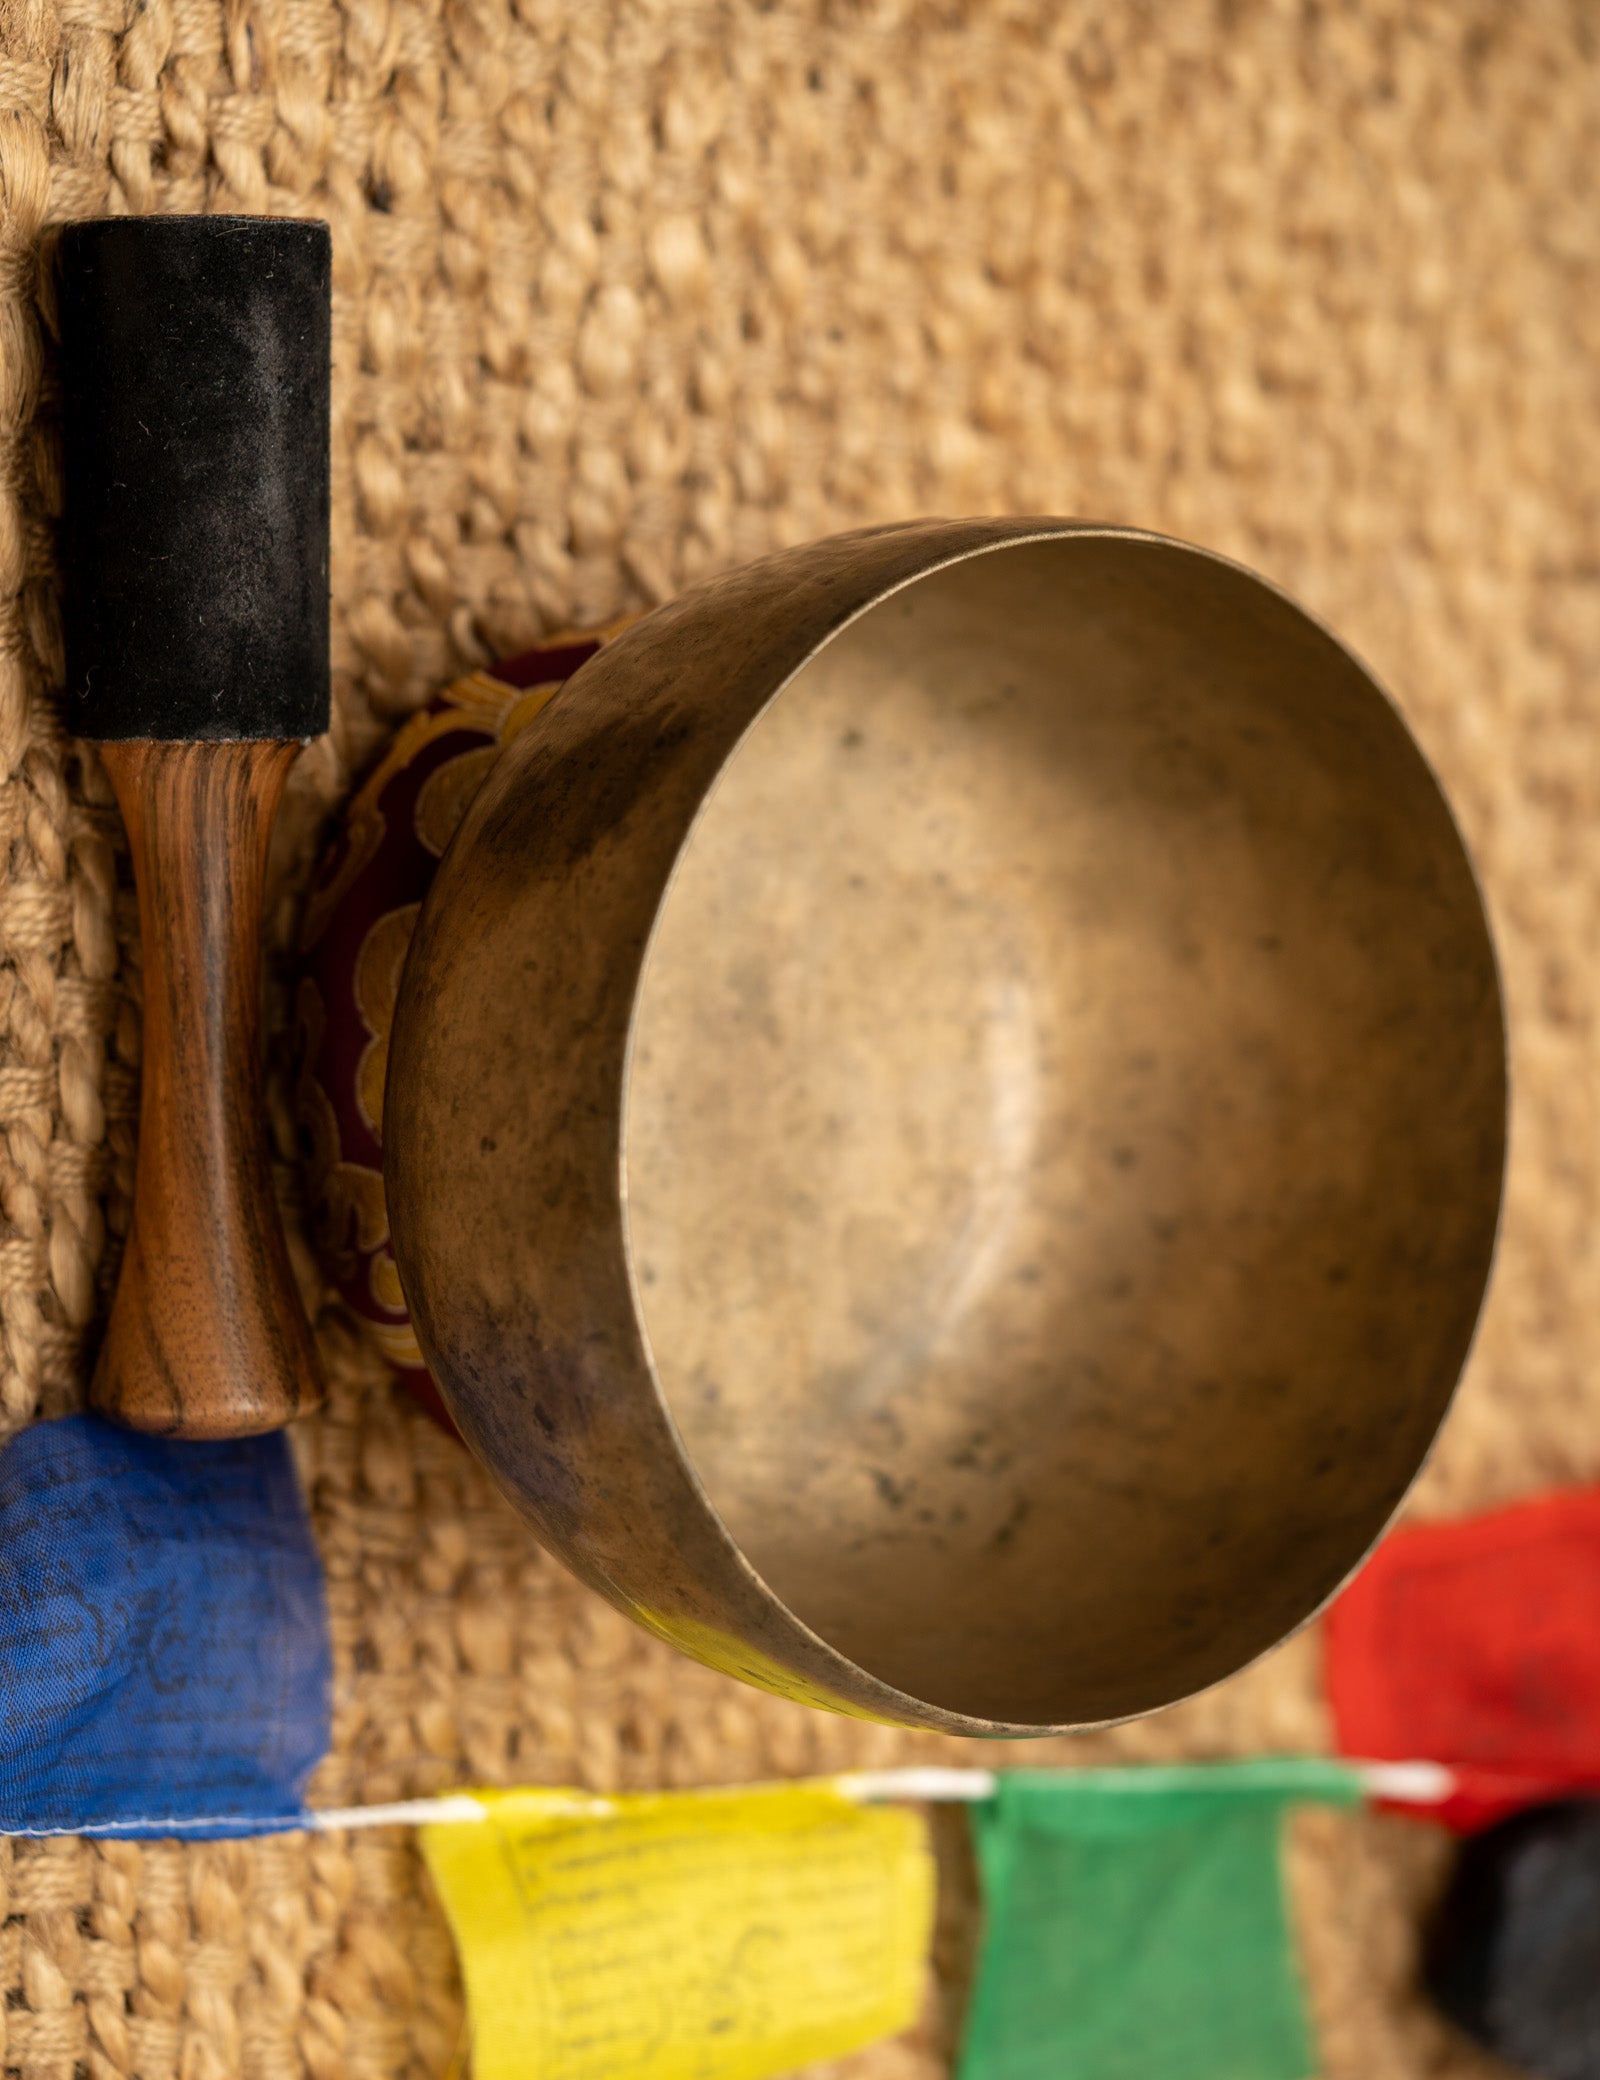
column 207, row 1335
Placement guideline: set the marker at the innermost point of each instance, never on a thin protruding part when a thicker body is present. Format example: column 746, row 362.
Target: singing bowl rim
column 830, row 1678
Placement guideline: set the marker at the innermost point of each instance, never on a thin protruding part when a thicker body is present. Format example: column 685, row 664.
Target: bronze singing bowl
column 945, row 1121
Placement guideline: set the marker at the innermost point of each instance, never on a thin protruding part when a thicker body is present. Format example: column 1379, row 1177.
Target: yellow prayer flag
column 706, row 1935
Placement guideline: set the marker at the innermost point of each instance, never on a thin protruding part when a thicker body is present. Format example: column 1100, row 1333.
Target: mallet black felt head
column 194, row 371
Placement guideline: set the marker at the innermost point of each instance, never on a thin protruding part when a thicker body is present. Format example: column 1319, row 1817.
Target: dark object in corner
column 1513, row 1956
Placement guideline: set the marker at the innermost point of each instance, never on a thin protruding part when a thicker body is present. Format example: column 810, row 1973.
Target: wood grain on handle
column 207, row 1337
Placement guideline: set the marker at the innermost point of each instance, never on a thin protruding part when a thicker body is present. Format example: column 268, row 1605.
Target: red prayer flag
column 1477, row 1644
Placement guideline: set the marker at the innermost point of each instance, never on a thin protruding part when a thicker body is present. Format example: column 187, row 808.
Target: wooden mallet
column 194, row 369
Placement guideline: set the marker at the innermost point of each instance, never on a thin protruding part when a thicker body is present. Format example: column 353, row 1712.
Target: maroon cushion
column 358, row 923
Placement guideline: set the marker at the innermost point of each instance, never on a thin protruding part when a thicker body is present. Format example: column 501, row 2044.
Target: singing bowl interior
column 1064, row 1129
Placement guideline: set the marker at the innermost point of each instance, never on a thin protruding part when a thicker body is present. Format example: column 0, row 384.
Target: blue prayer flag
column 164, row 1657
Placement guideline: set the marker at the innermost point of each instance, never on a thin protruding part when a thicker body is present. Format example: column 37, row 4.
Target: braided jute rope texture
column 627, row 290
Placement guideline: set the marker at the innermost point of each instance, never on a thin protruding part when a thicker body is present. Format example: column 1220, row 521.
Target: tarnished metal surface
column 1000, row 1261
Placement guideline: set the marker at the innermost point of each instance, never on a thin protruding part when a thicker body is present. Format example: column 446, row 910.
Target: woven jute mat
column 628, row 290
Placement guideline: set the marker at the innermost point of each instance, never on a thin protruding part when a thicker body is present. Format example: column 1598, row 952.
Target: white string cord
column 1402, row 1783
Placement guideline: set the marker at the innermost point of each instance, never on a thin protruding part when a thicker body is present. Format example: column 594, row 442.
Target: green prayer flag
column 1135, row 1926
